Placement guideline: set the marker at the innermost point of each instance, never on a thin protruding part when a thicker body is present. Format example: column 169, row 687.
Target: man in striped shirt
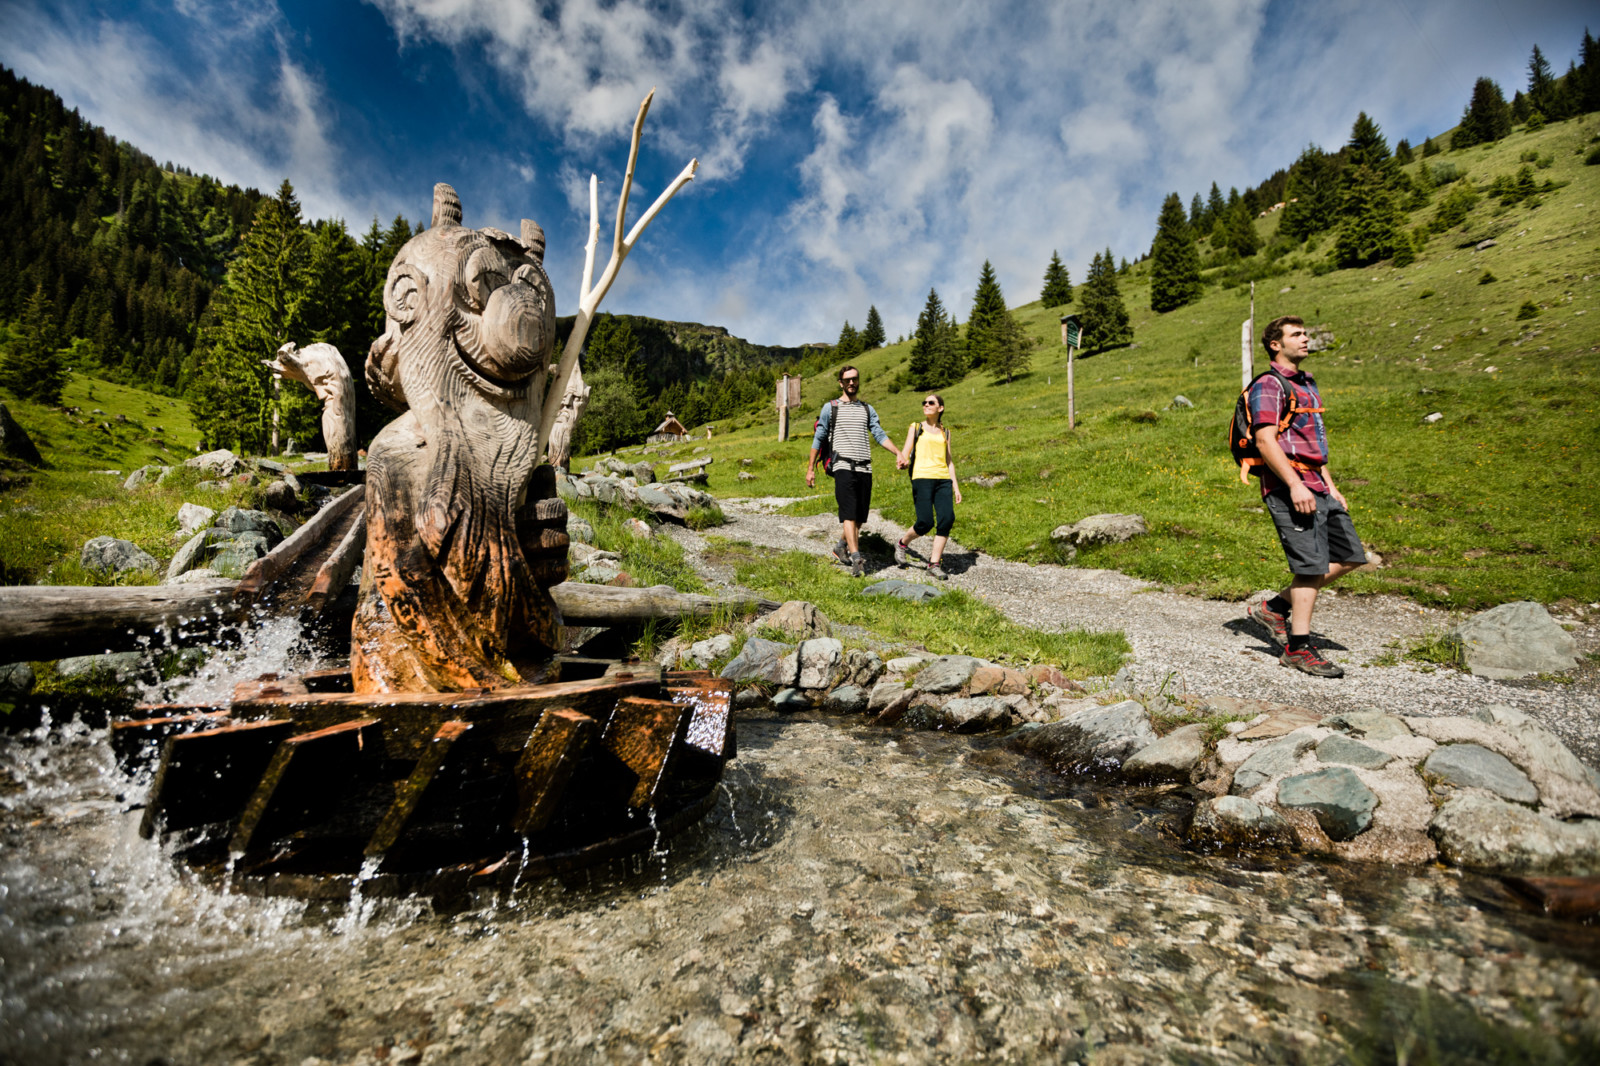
column 846, row 429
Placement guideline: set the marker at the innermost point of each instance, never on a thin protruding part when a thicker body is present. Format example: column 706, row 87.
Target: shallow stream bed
column 855, row 896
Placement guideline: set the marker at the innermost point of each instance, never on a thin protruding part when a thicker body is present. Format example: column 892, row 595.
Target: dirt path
column 1208, row 647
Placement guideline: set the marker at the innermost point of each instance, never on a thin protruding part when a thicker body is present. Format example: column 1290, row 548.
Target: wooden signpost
column 788, row 396
column 1247, row 345
column 1072, row 337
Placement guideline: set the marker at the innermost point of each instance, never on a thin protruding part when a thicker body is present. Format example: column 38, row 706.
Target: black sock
column 1278, row 605
column 1299, row 641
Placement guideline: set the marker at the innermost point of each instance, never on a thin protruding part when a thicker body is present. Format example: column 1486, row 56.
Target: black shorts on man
column 852, row 490
column 1312, row 542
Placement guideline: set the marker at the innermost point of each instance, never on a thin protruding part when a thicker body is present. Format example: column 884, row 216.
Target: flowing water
column 856, row 895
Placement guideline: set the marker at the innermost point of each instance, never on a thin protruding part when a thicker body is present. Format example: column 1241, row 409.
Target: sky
column 852, row 152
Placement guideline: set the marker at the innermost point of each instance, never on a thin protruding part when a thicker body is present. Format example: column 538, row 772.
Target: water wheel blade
column 337, row 680
column 1576, row 898
column 546, row 765
column 644, row 736
column 135, row 740
column 309, row 776
column 268, row 685
column 711, row 722
column 207, row 776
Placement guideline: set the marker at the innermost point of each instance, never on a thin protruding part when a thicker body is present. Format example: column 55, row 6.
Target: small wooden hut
column 670, row 431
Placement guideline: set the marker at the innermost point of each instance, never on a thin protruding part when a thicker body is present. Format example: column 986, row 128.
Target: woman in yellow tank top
column 934, row 488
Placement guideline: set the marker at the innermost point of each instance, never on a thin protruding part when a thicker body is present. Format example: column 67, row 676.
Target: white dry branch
column 592, row 293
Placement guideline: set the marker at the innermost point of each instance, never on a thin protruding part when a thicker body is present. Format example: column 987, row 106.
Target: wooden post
column 783, row 408
column 1246, row 346
column 275, row 394
column 1072, row 409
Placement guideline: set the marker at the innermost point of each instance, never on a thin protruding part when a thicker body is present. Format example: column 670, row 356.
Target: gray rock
column 600, row 572
column 1092, row 740
column 702, row 653
column 1182, row 401
column 846, row 699
column 142, row 475
column 241, row 520
column 1471, row 766
column 904, row 664
column 763, row 660
column 201, row 576
column 272, row 466
column 220, row 463
column 113, row 556
column 800, row 620
column 910, row 591
column 16, row 681
column 1100, row 529
column 1373, row 725
column 579, row 531
column 1342, row 805
column 15, row 442
column 1483, row 246
column 1274, row 759
column 1340, row 749
column 1172, row 757
column 1487, row 833
column 1237, row 820
column 1515, row 640
column 884, row 693
column 233, row 557
column 582, row 554
column 946, row 673
column 862, row 668
column 1566, row 785
column 122, row 666
column 280, row 497
column 192, row 516
column 977, row 714
column 644, row 473
column 790, row 700
column 749, row 697
column 819, row 662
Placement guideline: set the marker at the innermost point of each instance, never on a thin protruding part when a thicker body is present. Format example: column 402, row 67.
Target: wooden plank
column 137, row 738
column 1573, row 898
column 308, row 777
column 268, row 685
column 710, row 729
column 317, row 529
column 545, row 768
column 644, row 735
column 207, row 776
column 408, row 796
column 337, row 568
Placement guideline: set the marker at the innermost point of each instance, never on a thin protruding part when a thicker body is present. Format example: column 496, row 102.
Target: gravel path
column 1208, row 647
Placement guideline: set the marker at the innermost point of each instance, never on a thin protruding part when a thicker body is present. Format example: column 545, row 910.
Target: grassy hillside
column 1493, row 502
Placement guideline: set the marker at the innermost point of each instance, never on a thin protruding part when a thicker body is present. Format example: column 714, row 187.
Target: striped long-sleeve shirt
column 852, row 437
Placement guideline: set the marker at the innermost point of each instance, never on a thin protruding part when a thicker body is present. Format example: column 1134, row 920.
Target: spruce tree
column 1010, row 348
column 1242, row 237
column 1312, row 194
column 988, row 304
column 1057, row 289
column 1403, row 153
column 1197, row 211
column 872, row 335
column 1429, row 148
column 1541, row 84
column 1587, row 96
column 1104, row 318
column 33, row 368
column 848, row 345
column 1215, row 206
column 1174, row 259
column 1520, row 109
column 936, row 360
column 1487, row 117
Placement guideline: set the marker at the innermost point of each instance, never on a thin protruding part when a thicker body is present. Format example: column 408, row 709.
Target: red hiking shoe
column 1309, row 661
column 1277, row 623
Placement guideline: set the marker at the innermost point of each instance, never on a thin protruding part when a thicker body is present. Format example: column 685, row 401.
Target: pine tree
column 1242, row 237
column 1520, row 109
column 1197, row 211
column 1313, row 195
column 1215, row 206
column 1174, row 259
column 1104, row 319
column 988, row 304
column 33, row 368
column 1541, row 84
column 610, row 345
column 1403, row 153
column 1429, row 148
column 1010, row 348
column 936, row 359
column 872, row 335
column 849, row 344
column 1487, row 117
column 1588, row 88
column 1057, row 289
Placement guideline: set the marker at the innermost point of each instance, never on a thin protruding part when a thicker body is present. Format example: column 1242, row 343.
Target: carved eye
column 485, row 271
column 402, row 295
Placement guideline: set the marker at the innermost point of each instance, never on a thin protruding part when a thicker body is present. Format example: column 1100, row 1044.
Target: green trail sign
column 1071, row 331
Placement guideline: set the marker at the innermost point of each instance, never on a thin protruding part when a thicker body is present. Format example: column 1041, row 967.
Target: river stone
column 862, row 668
column 977, row 714
column 1515, row 640
column 1339, row 748
column 819, row 662
column 904, row 664
column 1371, row 725
column 1471, row 766
column 998, row 680
column 234, row 556
column 122, row 666
column 1092, row 740
column 15, row 442
column 16, row 681
column 242, row 520
column 1272, row 760
column 846, row 699
column 192, row 517
column 702, row 653
column 1488, row 833
column 1567, row 786
column 1342, row 804
column 110, row 555
column 1238, row 820
column 790, row 700
column 579, row 531
column 763, row 660
column 1100, row 529
column 281, row 497
column 1172, row 757
column 202, row 575
column 220, row 463
column 946, row 673
column 910, row 591
column 799, row 620
column 884, row 693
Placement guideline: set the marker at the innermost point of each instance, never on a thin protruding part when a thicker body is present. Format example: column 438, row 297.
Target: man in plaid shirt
column 1309, row 512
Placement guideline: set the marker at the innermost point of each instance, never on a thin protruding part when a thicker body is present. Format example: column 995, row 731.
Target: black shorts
column 1313, row 542
column 852, row 489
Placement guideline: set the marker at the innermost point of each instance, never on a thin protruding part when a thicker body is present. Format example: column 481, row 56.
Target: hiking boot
column 858, row 565
column 1309, row 661
column 1277, row 623
column 900, row 558
column 841, row 552
column 936, row 570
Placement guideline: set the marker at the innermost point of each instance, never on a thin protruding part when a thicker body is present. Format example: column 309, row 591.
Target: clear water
column 856, row 895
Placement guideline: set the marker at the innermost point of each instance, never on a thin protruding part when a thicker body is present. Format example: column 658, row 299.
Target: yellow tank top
column 930, row 458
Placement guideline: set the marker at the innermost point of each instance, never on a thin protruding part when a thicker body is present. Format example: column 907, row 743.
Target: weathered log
column 278, row 562
column 609, row 605
column 336, row 570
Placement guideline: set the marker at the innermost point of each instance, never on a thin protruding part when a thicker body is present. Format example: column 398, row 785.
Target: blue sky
column 852, row 152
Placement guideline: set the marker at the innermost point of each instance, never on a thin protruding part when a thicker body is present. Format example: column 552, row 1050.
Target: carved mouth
column 514, row 388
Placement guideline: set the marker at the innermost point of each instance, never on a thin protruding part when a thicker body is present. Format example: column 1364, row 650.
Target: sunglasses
column 847, row 381
column 930, row 403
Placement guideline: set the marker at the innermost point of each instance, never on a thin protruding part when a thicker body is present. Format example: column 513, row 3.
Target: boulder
column 220, row 463
column 221, row 550
column 702, row 653
column 1269, row 761
column 579, row 531
column 910, row 591
column 1045, row 674
column 1515, row 640
column 600, row 571
column 192, row 517
column 581, row 554
column 1169, row 758
column 280, row 497
column 1237, row 820
column 790, row 700
column 122, row 666
column 1100, row 529
column 201, row 576
column 1182, row 402
column 15, row 442
column 819, row 662
column 1341, row 750
column 998, row 680
column 1471, row 766
column 1092, row 740
column 1342, row 805
column 243, row 520
column 1565, row 784
column 142, row 475
column 977, row 714
column 884, row 693
column 638, row 527
column 861, row 668
column 799, row 620
column 16, row 681
column 766, row 661
column 1488, row 833
column 108, row 555
column 846, row 699
column 643, row 472
column 948, row 673
column 904, row 664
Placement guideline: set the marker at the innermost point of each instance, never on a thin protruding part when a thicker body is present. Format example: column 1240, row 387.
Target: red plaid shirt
column 1304, row 440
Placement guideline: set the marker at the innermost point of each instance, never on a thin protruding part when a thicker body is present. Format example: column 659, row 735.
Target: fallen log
column 275, row 564
column 45, row 622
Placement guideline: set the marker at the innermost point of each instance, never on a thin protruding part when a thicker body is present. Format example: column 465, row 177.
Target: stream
column 856, row 895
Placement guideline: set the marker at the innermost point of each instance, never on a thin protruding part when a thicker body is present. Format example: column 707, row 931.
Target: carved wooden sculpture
column 322, row 369
column 464, row 535
column 572, row 405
